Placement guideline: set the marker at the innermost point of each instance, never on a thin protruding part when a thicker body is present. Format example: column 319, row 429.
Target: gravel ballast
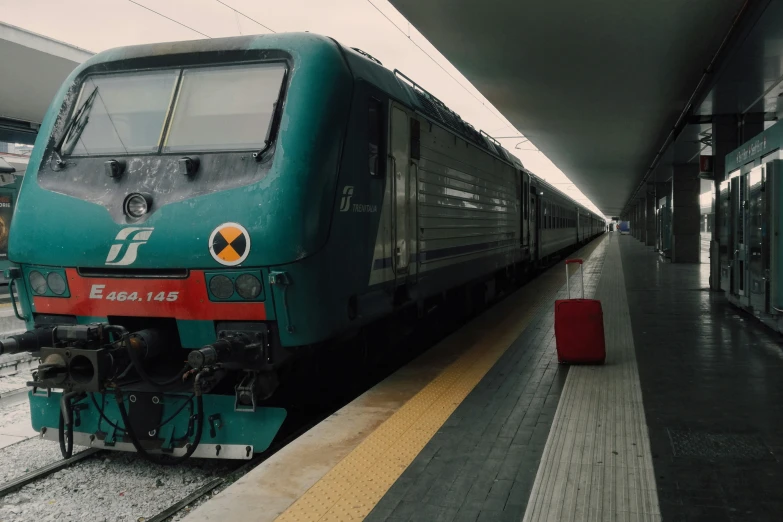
column 111, row 486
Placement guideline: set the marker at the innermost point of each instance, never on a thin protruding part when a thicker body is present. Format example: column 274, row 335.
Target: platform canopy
column 32, row 68
column 599, row 86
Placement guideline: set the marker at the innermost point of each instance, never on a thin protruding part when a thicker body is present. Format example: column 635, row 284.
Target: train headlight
column 136, row 205
column 248, row 286
column 37, row 282
column 56, row 283
column 221, row 287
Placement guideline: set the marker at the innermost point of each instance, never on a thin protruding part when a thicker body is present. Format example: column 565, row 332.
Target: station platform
column 683, row 422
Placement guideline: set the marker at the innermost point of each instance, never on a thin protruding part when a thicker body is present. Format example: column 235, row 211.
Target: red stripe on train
column 178, row 298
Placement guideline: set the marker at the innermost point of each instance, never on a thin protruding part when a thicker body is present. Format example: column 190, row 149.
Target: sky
column 374, row 26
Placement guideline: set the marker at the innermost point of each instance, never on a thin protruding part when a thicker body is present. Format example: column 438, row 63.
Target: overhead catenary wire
column 496, row 115
column 237, row 11
column 169, row 18
column 403, row 32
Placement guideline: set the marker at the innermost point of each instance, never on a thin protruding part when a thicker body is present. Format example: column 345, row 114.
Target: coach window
column 546, row 214
column 374, row 134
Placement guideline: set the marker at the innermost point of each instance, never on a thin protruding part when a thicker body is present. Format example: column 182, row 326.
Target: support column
column 686, row 214
column 650, row 208
column 643, row 220
column 663, row 195
column 725, row 138
column 639, row 222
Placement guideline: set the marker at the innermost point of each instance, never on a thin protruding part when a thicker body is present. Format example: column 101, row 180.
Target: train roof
column 362, row 66
column 402, row 87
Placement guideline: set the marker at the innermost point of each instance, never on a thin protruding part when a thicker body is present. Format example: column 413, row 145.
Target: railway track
column 27, row 478
column 131, row 466
column 13, row 397
column 44, row 471
column 13, row 364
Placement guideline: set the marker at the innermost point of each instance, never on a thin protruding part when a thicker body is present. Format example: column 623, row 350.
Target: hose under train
column 165, row 459
column 137, row 361
column 65, row 435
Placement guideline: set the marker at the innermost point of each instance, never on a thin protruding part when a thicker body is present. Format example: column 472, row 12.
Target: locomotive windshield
column 212, row 108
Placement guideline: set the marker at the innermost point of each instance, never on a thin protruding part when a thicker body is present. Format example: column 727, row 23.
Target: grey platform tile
column 489, row 516
column 512, row 513
column 404, row 510
column 446, row 515
column 476, row 458
column 467, row 514
column 597, row 464
column 426, row 513
column 379, row 514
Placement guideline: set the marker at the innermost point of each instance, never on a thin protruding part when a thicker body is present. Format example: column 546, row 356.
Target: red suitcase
column 579, row 326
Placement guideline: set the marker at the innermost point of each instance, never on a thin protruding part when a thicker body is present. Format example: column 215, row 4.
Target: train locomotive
column 196, row 214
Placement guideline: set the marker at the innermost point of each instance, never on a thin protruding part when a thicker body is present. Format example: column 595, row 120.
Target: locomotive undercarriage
column 102, row 385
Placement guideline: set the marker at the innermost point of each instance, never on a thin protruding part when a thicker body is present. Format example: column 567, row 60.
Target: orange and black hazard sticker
column 229, row 244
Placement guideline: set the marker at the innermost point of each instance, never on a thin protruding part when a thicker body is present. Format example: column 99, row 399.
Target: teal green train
column 197, row 215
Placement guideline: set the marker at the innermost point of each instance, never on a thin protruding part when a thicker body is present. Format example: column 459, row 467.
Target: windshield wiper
column 75, row 126
column 269, row 131
column 274, row 121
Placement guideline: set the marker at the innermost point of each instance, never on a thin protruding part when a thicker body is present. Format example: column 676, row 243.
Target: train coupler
column 255, row 386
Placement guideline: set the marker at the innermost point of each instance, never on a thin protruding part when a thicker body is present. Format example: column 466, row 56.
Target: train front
column 167, row 183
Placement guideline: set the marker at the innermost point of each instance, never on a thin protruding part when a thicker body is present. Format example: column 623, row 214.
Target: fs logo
column 345, row 203
column 128, row 240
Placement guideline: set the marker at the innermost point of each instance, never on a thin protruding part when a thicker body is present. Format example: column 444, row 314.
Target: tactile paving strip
column 354, row 486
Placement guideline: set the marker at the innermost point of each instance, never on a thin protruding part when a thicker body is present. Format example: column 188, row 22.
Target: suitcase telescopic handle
column 581, row 272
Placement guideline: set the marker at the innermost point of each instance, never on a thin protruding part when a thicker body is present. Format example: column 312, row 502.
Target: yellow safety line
column 351, row 489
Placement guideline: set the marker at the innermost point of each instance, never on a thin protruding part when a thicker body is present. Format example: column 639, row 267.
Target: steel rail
column 27, row 478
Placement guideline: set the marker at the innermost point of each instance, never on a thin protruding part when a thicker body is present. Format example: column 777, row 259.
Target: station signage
column 751, row 149
column 706, row 164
